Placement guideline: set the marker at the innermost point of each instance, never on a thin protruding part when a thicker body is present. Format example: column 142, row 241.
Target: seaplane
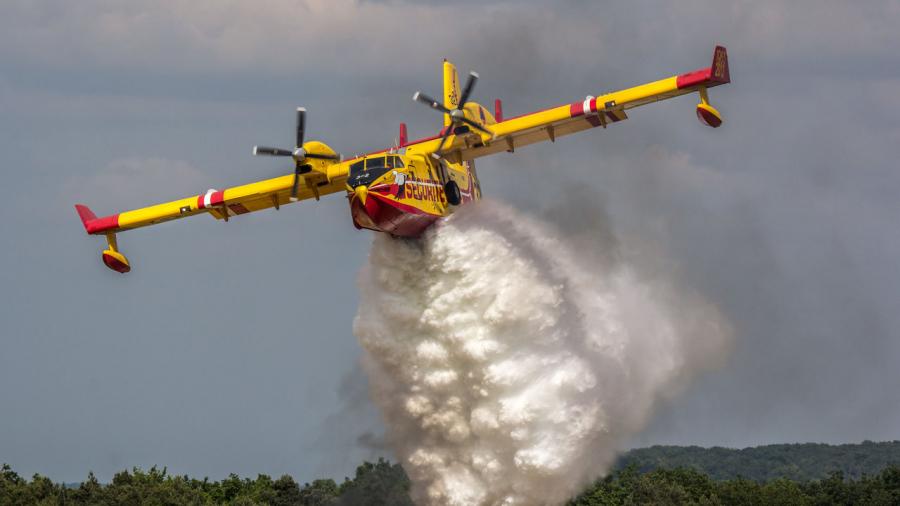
column 404, row 189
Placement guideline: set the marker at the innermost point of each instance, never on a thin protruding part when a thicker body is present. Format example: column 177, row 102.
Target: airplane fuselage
column 403, row 194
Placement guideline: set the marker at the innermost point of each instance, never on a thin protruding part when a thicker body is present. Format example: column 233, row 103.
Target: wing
column 221, row 204
column 325, row 177
column 591, row 112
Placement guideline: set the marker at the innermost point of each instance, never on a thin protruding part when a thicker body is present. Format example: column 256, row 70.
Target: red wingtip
column 86, row 215
column 93, row 224
column 714, row 75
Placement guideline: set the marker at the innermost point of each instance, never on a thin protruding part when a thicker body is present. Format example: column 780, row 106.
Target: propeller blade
column 457, row 115
column 473, row 78
column 430, row 102
column 440, row 150
column 262, row 150
column 298, row 154
column 476, row 126
column 301, row 125
column 295, row 188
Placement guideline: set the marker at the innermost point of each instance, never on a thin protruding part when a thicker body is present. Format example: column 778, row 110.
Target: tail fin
column 451, row 89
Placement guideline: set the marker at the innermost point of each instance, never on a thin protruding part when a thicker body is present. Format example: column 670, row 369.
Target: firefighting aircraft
column 404, row 189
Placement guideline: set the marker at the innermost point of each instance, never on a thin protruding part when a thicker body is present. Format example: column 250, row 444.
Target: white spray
column 510, row 368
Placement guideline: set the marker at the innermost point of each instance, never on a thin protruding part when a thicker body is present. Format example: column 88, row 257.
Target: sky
column 228, row 348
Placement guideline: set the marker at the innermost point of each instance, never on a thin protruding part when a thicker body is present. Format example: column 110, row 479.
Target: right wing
column 326, row 178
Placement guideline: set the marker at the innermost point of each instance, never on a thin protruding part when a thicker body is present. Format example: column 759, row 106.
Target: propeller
column 457, row 116
column 298, row 153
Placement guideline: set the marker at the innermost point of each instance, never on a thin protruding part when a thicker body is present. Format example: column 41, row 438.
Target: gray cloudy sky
column 229, row 347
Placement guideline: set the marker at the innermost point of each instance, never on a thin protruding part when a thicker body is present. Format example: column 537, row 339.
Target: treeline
column 798, row 462
column 381, row 483
column 690, row 487
column 777, row 474
column 385, row 484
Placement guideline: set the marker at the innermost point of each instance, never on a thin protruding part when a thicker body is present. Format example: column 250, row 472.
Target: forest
column 800, row 462
column 813, row 474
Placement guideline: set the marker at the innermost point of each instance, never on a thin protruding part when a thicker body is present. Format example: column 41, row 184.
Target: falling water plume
column 511, row 365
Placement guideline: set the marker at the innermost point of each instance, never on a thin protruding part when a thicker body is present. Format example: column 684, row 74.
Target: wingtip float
column 404, row 189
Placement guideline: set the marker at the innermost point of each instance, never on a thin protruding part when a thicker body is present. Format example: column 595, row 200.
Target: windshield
column 365, row 171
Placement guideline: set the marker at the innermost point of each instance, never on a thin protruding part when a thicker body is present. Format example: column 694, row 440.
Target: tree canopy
column 774, row 474
column 802, row 462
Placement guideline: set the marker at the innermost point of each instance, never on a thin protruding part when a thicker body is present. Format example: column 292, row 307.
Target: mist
column 511, row 363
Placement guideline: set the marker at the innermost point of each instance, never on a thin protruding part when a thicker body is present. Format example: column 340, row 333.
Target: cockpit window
column 366, row 171
column 376, row 163
column 394, row 162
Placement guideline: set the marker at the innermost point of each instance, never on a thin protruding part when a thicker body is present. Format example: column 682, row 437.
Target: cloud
column 128, row 183
column 345, row 37
column 276, row 36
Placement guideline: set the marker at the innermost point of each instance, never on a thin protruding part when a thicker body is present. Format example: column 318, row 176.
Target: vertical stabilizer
column 451, row 89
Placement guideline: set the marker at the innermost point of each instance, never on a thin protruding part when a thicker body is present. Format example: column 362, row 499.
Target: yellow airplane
column 404, row 189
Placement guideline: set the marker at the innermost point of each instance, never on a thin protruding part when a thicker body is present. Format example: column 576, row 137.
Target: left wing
column 324, row 177
column 591, row 112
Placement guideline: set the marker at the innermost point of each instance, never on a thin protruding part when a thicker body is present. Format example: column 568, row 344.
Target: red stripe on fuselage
column 406, row 208
column 384, row 215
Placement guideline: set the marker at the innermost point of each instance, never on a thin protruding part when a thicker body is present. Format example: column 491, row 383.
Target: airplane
column 404, row 189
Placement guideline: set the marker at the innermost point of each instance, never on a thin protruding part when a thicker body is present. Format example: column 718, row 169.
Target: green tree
column 319, row 493
column 287, row 492
column 376, row 484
